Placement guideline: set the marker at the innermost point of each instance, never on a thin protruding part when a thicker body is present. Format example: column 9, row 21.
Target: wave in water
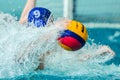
column 21, row 46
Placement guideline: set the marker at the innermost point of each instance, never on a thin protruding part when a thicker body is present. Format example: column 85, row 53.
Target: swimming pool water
column 14, row 39
column 104, row 36
column 108, row 36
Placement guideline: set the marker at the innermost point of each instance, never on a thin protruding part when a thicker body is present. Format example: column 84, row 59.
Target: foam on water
column 21, row 46
column 114, row 37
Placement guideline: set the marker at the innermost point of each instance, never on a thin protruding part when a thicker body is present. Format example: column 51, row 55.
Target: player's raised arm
column 29, row 5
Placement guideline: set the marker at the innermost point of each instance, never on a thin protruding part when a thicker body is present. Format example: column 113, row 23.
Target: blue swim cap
column 39, row 16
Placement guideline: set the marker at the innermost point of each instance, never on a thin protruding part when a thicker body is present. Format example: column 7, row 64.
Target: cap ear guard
column 50, row 19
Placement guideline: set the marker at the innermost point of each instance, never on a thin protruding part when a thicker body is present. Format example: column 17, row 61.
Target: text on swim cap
column 37, row 13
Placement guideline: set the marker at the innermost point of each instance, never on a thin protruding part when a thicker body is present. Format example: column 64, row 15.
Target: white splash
column 21, row 46
column 113, row 37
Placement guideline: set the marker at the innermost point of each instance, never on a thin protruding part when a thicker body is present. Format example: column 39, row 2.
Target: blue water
column 61, row 64
column 107, row 36
column 10, row 7
column 97, row 11
column 15, row 39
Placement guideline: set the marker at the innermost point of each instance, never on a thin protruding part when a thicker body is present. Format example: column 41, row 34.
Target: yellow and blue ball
column 74, row 37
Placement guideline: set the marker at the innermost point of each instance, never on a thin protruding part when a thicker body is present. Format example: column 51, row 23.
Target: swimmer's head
column 40, row 16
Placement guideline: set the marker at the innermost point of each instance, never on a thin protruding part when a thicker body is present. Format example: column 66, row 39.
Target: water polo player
column 41, row 17
column 38, row 16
